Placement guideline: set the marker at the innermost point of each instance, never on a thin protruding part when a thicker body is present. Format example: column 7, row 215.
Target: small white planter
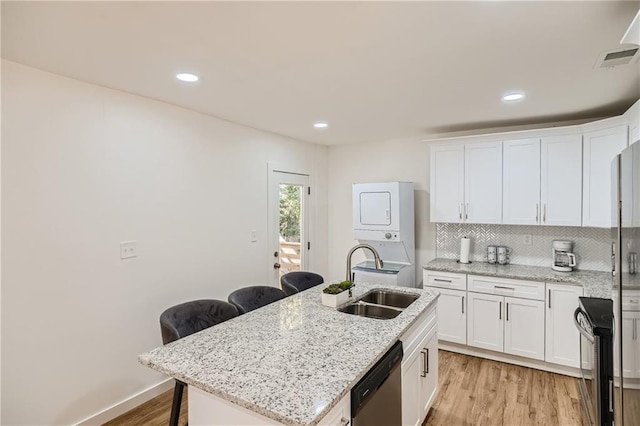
column 335, row 300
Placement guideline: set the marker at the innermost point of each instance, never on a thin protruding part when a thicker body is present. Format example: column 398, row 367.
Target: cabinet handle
column 634, row 332
column 507, row 311
column 344, row 422
column 549, row 298
column 504, row 288
column 427, row 358
column 460, row 211
column 544, row 213
column 466, row 212
column 424, row 363
column 441, row 280
column 499, row 311
column 463, row 304
column 537, row 211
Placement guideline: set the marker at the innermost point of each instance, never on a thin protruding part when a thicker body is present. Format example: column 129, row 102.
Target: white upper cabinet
column 483, row 182
column 600, row 147
column 447, row 182
column 561, row 180
column 521, row 182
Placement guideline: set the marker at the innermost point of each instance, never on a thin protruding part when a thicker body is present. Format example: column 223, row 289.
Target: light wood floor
column 473, row 391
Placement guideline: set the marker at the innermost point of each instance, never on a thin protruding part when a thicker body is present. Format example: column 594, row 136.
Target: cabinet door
column 524, row 328
column 562, row 337
column 452, row 316
column 429, row 382
column 486, row 321
column 561, row 180
column 447, row 183
column 600, row 147
column 483, row 182
column 521, row 182
column 411, row 384
column 631, row 344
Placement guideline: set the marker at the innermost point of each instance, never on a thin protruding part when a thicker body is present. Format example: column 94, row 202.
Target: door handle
column 344, row 422
column 549, row 298
column 276, row 265
column 537, row 211
column 424, row 363
column 460, row 211
column 499, row 311
column 466, row 212
column 463, row 304
column 544, row 213
column 507, row 311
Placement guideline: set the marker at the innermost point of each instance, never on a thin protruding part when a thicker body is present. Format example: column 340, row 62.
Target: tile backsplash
column 591, row 245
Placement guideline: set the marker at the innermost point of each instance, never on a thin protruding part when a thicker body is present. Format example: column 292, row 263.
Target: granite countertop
column 595, row 283
column 292, row 360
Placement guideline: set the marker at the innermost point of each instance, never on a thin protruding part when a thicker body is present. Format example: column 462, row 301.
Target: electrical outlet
column 254, row 236
column 527, row 240
column 128, row 249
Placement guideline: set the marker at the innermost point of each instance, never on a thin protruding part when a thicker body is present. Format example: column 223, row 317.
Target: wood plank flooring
column 476, row 391
column 473, row 391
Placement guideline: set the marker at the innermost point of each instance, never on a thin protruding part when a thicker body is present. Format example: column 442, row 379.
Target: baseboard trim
column 122, row 407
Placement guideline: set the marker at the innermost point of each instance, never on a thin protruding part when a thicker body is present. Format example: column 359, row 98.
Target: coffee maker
column 563, row 258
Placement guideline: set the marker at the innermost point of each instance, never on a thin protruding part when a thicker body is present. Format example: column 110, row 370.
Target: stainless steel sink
column 380, row 304
column 389, row 298
column 370, row 311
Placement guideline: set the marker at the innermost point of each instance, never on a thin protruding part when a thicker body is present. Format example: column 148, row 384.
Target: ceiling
column 373, row 70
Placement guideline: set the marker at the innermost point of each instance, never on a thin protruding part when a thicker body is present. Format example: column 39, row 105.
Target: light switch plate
column 128, row 249
column 527, row 240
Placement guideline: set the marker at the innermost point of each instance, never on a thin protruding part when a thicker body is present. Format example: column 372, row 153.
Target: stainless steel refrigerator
column 626, row 289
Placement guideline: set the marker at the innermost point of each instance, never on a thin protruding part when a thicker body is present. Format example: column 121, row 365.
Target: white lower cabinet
column 562, row 337
column 486, row 324
column 631, row 347
column 524, row 327
column 513, row 325
column 452, row 316
column 419, row 371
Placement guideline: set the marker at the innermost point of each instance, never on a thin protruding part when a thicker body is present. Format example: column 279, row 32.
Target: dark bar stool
column 249, row 298
column 295, row 282
column 187, row 318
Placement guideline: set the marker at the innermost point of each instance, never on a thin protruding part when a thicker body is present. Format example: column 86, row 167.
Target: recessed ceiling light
column 320, row 125
column 188, row 77
column 513, row 97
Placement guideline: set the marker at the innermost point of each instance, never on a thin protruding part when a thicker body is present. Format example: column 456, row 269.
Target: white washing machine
column 392, row 273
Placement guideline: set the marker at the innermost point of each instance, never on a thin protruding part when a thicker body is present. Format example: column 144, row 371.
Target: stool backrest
column 248, row 299
column 297, row 281
column 187, row 318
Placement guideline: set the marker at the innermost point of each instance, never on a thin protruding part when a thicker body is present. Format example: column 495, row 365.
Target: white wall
column 83, row 168
column 388, row 161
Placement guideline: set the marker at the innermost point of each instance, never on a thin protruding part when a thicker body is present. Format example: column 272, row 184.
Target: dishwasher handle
column 375, row 378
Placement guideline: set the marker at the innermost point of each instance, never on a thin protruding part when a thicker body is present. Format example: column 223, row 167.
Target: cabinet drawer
column 412, row 337
column 507, row 287
column 631, row 301
column 448, row 280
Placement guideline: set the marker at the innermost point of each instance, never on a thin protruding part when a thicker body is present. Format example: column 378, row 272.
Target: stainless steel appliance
column 563, row 258
column 594, row 320
column 377, row 398
column 626, row 287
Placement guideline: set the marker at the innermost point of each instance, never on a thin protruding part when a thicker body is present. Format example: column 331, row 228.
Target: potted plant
column 337, row 294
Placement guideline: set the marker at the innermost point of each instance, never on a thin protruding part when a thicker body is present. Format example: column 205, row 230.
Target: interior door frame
column 273, row 192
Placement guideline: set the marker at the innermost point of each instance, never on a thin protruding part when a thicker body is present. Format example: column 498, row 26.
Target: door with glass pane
column 288, row 224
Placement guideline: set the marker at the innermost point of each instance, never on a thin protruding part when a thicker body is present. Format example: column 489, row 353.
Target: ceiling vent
column 617, row 58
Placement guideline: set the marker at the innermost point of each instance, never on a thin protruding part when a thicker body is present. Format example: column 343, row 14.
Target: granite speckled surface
column 291, row 361
column 595, row 283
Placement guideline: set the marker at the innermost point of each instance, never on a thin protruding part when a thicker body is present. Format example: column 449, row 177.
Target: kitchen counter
column 595, row 283
column 290, row 361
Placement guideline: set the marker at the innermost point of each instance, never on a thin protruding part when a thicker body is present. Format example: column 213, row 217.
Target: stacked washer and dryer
column 383, row 217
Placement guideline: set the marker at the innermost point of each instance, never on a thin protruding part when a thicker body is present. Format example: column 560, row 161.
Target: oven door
column 588, row 368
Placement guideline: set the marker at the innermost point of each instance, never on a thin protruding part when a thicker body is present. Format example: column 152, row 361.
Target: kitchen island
column 290, row 362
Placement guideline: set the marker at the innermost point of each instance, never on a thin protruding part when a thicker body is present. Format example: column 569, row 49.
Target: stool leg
column 175, row 407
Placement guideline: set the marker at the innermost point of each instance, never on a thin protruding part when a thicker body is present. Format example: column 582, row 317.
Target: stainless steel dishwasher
column 377, row 398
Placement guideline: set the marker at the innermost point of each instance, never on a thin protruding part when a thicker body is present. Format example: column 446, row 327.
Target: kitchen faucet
column 376, row 258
